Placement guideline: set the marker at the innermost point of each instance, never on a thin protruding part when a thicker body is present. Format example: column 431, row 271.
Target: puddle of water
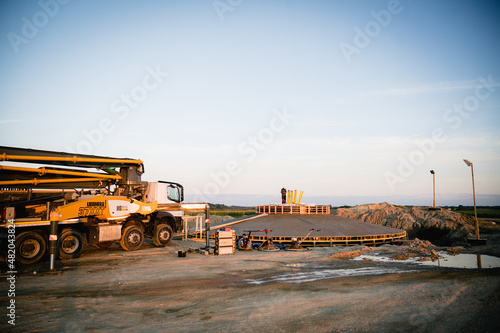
column 294, row 265
column 469, row 261
column 317, row 272
column 301, row 277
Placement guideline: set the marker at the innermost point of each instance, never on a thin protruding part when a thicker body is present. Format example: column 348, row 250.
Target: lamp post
column 469, row 163
column 434, row 186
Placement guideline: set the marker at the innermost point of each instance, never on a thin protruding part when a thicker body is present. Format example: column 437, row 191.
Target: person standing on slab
column 283, row 195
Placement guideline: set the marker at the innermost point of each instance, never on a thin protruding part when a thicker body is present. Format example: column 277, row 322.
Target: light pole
column 469, row 163
column 434, row 186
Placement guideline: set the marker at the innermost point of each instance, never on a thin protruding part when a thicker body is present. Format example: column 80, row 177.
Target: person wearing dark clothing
column 283, row 195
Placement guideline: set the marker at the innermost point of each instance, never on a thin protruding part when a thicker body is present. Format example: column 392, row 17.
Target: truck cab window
column 173, row 193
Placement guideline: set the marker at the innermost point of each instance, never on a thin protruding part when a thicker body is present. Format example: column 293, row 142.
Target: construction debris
column 443, row 227
column 351, row 254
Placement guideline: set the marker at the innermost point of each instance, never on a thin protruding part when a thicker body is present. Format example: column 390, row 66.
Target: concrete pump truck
column 94, row 199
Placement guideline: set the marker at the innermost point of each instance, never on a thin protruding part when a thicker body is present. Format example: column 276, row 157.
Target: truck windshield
column 173, row 193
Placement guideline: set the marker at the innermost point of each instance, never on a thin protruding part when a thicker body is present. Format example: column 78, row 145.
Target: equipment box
column 225, row 242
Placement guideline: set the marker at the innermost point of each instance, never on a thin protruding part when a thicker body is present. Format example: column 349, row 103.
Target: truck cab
column 169, row 196
column 164, row 192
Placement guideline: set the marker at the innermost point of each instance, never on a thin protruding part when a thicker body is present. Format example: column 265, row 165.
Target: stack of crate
column 225, row 242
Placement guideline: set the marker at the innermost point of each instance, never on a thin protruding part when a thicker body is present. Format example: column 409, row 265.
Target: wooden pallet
column 293, row 209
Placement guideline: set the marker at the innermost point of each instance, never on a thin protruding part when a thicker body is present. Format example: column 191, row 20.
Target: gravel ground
column 310, row 291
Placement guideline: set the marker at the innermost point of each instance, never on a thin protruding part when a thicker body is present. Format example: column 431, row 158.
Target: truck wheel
column 132, row 238
column 30, row 247
column 69, row 244
column 163, row 235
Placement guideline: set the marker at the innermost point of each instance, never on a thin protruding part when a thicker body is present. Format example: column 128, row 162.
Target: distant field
column 233, row 213
column 483, row 213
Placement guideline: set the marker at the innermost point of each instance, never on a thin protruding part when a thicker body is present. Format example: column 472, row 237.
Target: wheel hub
column 70, row 244
column 164, row 235
column 30, row 248
column 134, row 238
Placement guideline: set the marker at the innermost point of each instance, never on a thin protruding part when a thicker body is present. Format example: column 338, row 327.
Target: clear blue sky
column 350, row 101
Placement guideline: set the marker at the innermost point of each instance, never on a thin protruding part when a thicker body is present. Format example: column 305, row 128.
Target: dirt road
column 154, row 290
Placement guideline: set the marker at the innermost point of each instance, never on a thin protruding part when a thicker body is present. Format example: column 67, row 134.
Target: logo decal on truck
column 93, row 208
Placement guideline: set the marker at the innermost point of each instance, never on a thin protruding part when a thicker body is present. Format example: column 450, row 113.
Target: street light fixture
column 469, row 163
column 434, row 186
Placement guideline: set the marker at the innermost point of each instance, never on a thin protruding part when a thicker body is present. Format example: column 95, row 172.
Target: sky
column 351, row 102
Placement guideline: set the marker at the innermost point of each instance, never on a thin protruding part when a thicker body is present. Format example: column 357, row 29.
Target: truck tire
column 132, row 238
column 163, row 235
column 30, row 247
column 69, row 244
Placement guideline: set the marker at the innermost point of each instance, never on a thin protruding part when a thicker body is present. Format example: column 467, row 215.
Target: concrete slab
column 333, row 229
column 299, row 225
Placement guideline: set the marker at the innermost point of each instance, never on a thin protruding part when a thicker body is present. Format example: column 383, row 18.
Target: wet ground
column 464, row 260
column 155, row 290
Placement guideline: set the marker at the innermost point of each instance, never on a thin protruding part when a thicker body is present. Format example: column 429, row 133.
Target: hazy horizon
column 341, row 99
column 336, row 201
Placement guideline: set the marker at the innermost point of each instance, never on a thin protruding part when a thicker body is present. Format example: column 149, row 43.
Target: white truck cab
column 164, row 192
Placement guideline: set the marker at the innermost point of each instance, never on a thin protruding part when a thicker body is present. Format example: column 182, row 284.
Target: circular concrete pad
column 332, row 229
column 300, row 225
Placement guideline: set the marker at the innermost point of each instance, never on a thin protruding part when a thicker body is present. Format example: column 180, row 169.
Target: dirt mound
column 218, row 219
column 351, row 254
column 442, row 227
column 416, row 248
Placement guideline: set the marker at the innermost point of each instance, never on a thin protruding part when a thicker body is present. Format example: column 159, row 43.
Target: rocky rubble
column 351, row 254
column 419, row 249
column 416, row 248
column 442, row 227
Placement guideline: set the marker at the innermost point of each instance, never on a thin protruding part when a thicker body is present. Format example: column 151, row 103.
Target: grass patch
column 232, row 213
column 483, row 213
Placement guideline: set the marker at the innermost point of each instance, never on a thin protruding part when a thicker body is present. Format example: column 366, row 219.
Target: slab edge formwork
column 372, row 240
column 293, row 209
